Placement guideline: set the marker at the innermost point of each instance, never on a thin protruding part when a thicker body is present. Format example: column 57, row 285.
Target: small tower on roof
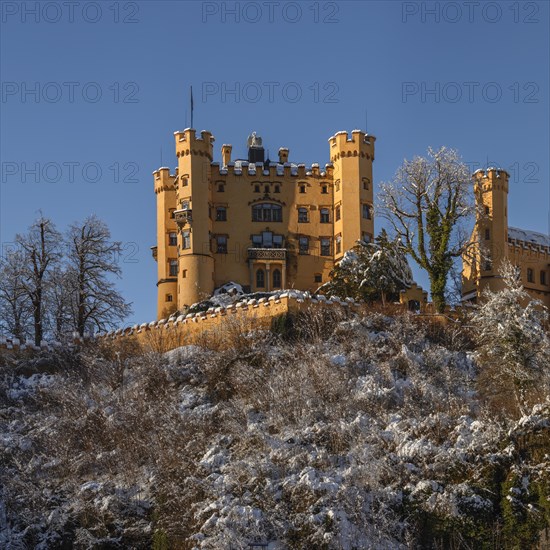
column 256, row 151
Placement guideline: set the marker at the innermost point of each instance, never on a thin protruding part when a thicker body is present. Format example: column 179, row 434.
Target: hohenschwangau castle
column 270, row 225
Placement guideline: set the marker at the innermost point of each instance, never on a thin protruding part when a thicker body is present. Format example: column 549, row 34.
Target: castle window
column 337, row 185
column 221, row 214
column 318, row 278
column 221, row 244
column 325, row 246
column 184, row 181
column 337, row 213
column 302, row 215
column 169, row 298
column 366, row 183
column 277, row 241
column 487, row 210
column 184, row 274
column 487, row 234
column 543, row 277
column 338, row 243
column 366, row 212
column 303, row 243
column 256, row 189
column 277, row 189
column 530, row 275
column 302, row 188
column 324, row 189
column 173, row 268
column 186, row 239
column 487, row 266
column 276, row 278
column 267, row 213
column 172, row 238
column 171, row 213
column 266, row 189
column 366, row 237
column 260, row 278
column 325, row 215
column 221, row 188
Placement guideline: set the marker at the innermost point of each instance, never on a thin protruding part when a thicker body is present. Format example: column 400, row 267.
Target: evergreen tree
column 371, row 271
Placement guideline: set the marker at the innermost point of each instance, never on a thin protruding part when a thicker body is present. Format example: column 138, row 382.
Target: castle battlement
column 360, row 144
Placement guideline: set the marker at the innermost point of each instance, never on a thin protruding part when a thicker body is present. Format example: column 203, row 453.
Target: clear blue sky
column 486, row 64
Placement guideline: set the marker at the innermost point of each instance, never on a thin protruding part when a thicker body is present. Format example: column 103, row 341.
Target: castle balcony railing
column 183, row 217
column 267, row 254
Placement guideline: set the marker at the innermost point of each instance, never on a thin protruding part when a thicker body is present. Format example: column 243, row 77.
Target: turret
column 352, row 159
column 165, row 253
column 195, row 261
column 491, row 192
column 283, row 155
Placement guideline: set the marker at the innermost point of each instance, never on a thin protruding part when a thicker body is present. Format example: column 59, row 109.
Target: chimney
column 283, row 155
column 226, row 154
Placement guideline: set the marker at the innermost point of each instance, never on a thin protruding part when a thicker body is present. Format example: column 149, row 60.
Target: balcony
column 267, row 254
column 183, row 217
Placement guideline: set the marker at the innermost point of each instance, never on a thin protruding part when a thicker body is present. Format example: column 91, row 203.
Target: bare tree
column 40, row 254
column 91, row 258
column 59, row 303
column 427, row 203
column 15, row 308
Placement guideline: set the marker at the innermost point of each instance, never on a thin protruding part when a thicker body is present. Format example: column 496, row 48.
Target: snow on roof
column 528, row 236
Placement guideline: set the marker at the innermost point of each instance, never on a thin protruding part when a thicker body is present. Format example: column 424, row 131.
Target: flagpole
column 192, row 107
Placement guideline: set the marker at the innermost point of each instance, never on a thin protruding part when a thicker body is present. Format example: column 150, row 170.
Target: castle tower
column 353, row 194
column 195, row 260
column 164, row 253
column 491, row 231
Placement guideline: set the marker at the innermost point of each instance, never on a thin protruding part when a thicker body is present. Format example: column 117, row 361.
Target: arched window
column 276, row 278
column 267, row 213
column 260, row 278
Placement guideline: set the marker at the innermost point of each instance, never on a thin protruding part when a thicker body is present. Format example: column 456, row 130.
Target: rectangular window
column 487, row 234
column 172, row 238
column 171, row 212
column 367, row 237
column 221, row 214
column 169, row 298
column 543, row 277
column 337, row 213
column 186, row 239
column 366, row 183
column 302, row 215
column 530, row 278
column 304, row 245
column 325, row 246
column 221, row 244
column 318, row 278
column 257, row 241
column 338, row 244
column 366, row 212
column 277, row 241
column 173, row 268
column 325, row 215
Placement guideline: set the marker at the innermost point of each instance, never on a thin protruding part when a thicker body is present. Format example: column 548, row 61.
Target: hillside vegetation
column 326, row 432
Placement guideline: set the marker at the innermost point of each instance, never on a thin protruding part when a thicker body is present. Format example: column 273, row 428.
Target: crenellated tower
column 490, row 235
column 192, row 216
column 164, row 253
column 352, row 159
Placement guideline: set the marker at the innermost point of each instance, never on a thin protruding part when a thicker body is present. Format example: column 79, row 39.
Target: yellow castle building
column 493, row 241
column 263, row 224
